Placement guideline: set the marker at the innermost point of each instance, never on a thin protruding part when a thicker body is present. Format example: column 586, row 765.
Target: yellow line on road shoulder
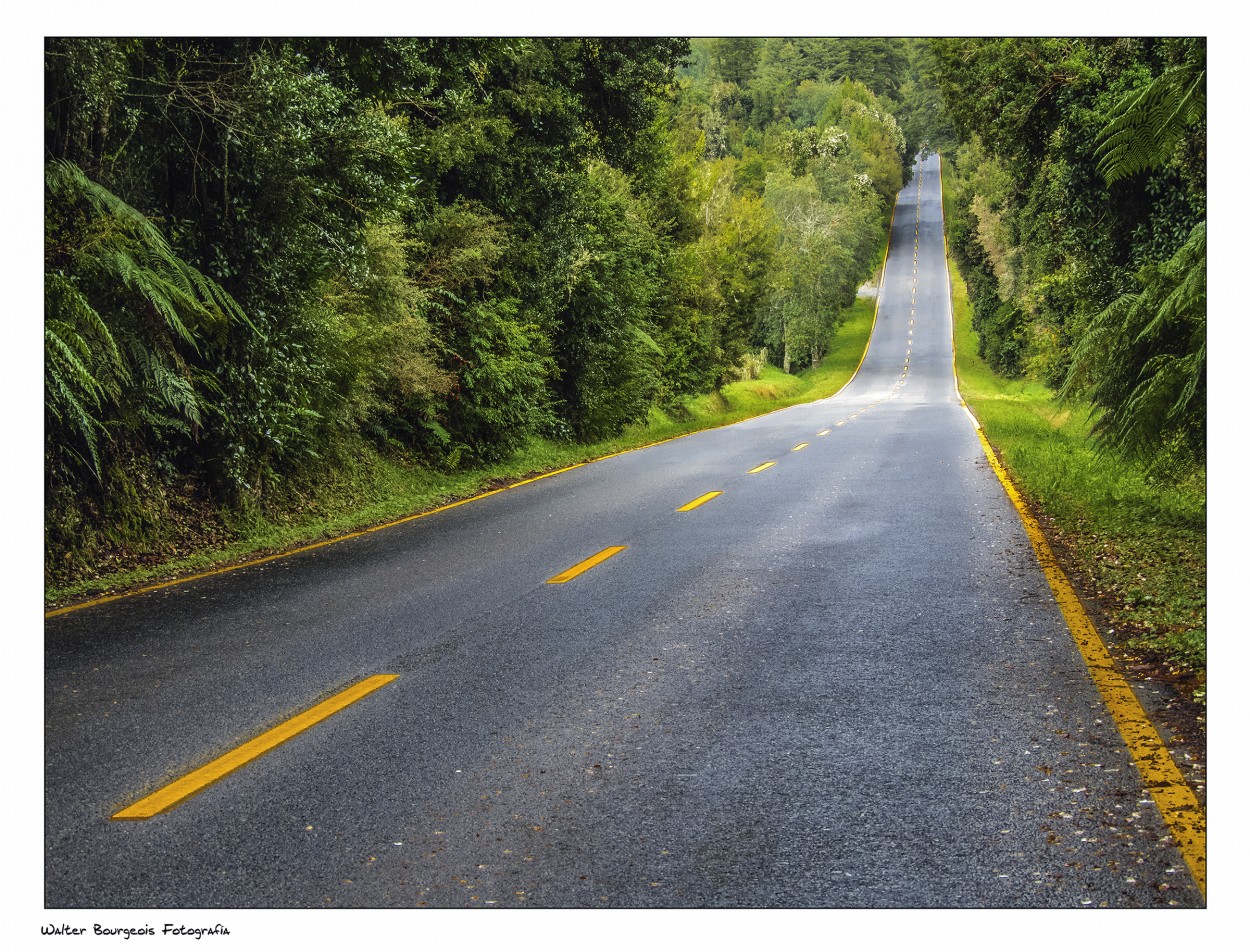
column 696, row 503
column 761, row 467
column 188, row 786
column 105, row 599
column 587, row 564
column 554, row 472
column 1167, row 786
column 1161, row 777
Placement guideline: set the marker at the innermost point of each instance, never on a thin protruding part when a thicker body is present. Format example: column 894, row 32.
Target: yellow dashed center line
column 696, row 503
column 795, row 449
column 824, row 432
column 761, row 467
column 188, row 786
column 586, row 565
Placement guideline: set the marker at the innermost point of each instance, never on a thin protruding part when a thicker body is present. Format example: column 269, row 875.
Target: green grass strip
column 1136, row 536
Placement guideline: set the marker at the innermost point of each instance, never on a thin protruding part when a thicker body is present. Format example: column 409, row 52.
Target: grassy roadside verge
column 1133, row 541
column 348, row 502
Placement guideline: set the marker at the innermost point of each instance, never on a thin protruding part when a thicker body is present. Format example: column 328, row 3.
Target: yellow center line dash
column 761, row 467
column 696, row 503
column 824, row 432
column 590, row 563
column 799, row 447
column 188, row 786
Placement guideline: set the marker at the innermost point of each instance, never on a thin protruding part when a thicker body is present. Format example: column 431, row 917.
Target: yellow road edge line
column 885, row 264
column 172, row 794
column 761, row 467
column 696, row 503
column 1161, row 777
column 799, row 447
column 554, row 472
column 1175, row 799
column 590, row 563
column 285, row 553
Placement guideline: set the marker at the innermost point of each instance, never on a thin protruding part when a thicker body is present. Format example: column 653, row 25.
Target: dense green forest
column 269, row 260
column 272, row 260
column 1080, row 179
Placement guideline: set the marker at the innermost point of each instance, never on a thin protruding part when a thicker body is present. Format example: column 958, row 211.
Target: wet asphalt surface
column 841, row 683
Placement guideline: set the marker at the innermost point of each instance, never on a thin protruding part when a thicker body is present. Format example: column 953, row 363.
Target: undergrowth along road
column 383, row 490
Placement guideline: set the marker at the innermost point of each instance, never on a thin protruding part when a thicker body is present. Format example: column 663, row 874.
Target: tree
column 733, row 59
column 600, row 286
column 809, row 267
column 1143, row 359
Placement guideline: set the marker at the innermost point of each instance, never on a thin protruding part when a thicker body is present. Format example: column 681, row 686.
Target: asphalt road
column 843, row 682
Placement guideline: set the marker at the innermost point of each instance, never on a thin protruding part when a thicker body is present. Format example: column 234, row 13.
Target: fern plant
column 1143, row 358
column 83, row 368
column 1142, row 361
column 1146, row 126
column 118, row 302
